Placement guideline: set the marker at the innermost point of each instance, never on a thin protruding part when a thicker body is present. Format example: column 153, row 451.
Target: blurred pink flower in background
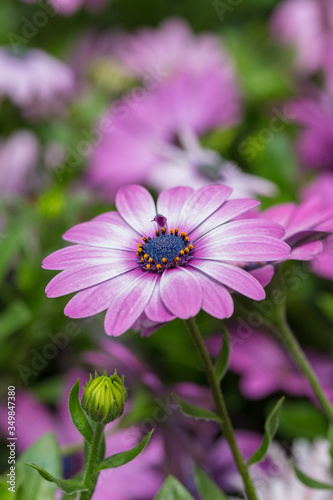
column 35, row 81
column 152, row 135
column 172, row 266
column 307, row 25
column 69, row 7
column 322, row 264
column 19, row 156
column 315, row 141
column 265, row 367
column 170, row 49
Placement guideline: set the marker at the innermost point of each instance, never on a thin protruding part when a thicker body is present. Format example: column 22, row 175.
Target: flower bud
column 104, row 398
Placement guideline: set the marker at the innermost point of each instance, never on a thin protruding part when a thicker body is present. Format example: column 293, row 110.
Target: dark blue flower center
column 164, row 251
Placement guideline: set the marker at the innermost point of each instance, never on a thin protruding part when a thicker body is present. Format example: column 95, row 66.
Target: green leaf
column 5, row 494
column 66, row 485
column 311, row 483
column 31, row 486
column 172, row 489
column 78, row 416
column 271, row 427
column 222, row 361
column 302, row 419
column 207, row 488
column 195, row 411
column 126, row 456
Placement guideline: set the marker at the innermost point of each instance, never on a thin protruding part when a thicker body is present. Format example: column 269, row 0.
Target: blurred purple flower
column 315, row 142
column 126, row 263
column 322, row 264
column 170, row 49
column 69, row 7
column 307, row 25
column 152, row 135
column 35, row 81
column 265, row 367
column 19, row 156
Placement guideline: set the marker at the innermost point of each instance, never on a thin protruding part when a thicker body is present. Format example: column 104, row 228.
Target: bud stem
column 221, row 407
column 90, row 478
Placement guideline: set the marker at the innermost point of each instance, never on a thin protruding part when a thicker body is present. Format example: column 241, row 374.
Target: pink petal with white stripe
column 81, row 254
column 156, row 310
column 229, row 210
column 136, row 206
column 181, row 292
column 201, row 204
column 248, row 248
column 171, row 201
column 129, row 304
column 231, row 276
column 247, row 227
column 77, row 278
column 102, row 234
column 216, row 300
column 97, row 298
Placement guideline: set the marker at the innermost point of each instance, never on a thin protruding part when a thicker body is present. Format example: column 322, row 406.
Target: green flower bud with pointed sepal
column 104, row 397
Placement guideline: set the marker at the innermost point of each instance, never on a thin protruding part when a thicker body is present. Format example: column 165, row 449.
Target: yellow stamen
column 186, row 250
column 176, row 230
column 181, row 252
column 158, row 267
column 190, row 247
column 163, row 230
column 146, row 256
column 157, row 232
column 142, row 259
column 164, row 260
column 186, row 238
column 171, row 231
column 144, row 239
column 148, row 266
column 150, row 260
column 176, row 259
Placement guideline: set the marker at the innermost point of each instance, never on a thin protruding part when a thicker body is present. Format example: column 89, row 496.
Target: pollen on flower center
column 165, row 251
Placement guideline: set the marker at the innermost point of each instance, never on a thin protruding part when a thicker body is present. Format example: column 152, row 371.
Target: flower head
column 34, row 80
column 128, row 265
column 104, row 398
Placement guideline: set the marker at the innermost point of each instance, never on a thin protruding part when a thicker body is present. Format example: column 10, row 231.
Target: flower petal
column 263, row 274
column 97, row 298
column 137, row 207
column 156, row 310
column 216, row 299
column 201, row 204
column 247, row 248
column 75, row 255
column 247, row 227
column 102, row 234
column 181, row 292
column 231, row 276
column 228, row 211
column 170, row 203
column 77, row 278
column 307, row 251
column 129, row 304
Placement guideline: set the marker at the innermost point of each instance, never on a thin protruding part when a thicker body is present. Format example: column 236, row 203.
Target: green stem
column 283, row 332
column 221, row 407
column 91, row 476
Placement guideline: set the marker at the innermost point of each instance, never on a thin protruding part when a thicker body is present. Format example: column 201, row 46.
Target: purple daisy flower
column 166, row 261
column 35, row 81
